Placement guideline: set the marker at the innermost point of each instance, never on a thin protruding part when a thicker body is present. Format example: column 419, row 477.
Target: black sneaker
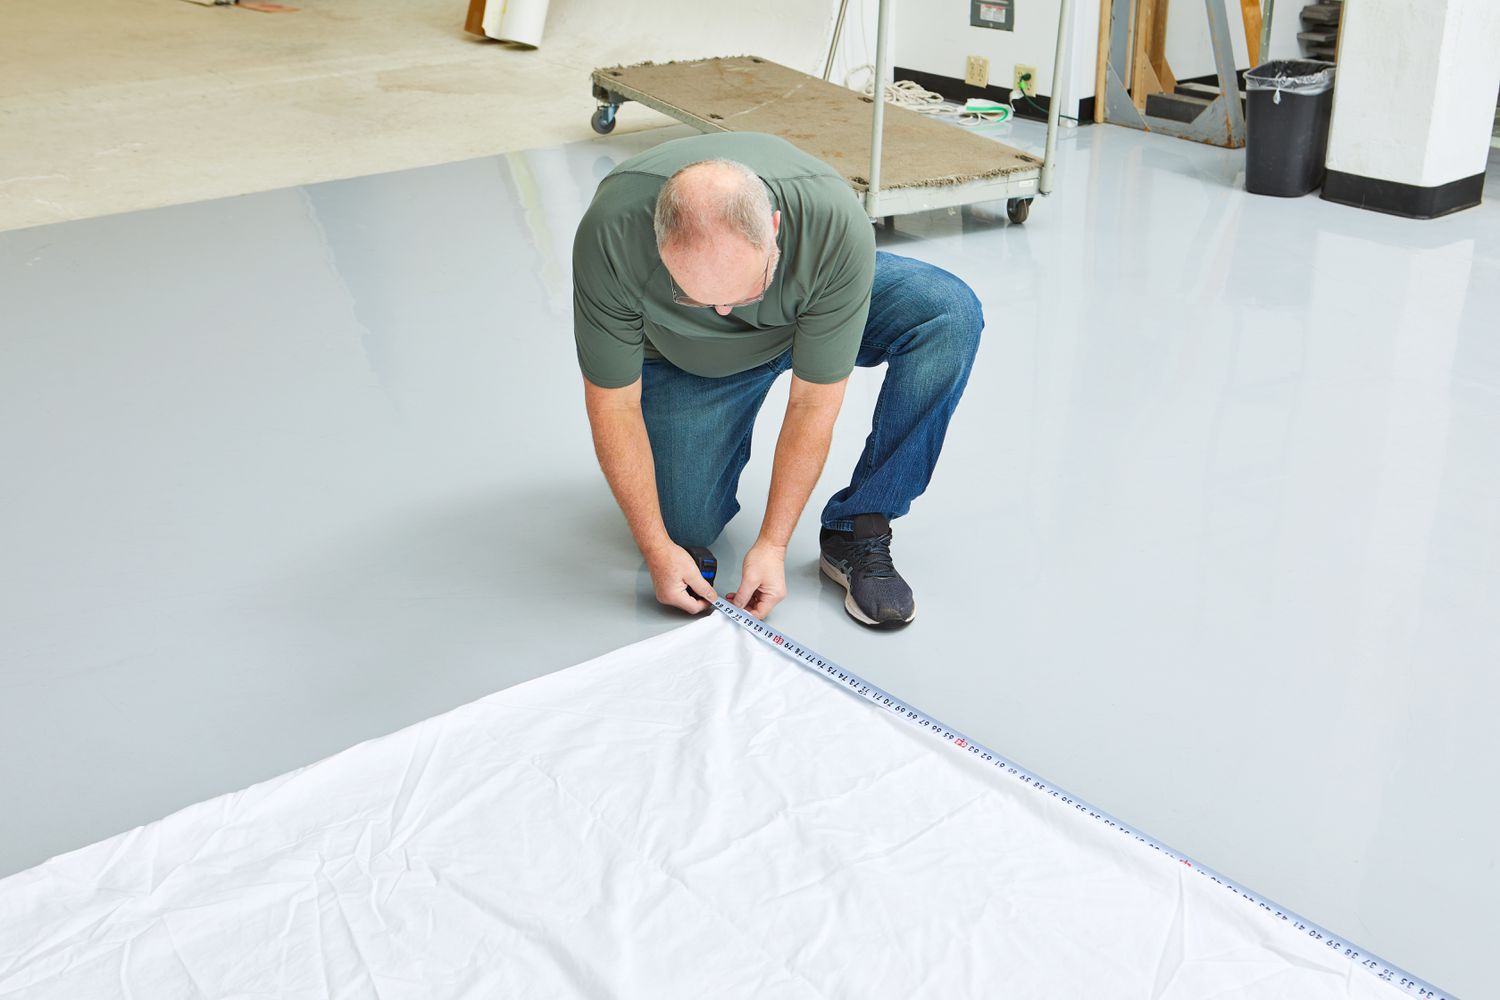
column 860, row 560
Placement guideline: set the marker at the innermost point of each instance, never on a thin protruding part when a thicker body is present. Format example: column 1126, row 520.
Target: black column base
column 1407, row 200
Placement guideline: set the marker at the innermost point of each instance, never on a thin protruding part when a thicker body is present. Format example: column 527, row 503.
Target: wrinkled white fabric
column 692, row 816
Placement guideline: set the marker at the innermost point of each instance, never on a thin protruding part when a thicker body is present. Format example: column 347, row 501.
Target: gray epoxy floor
column 1215, row 542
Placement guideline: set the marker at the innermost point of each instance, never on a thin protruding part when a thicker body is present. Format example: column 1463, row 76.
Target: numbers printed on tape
column 855, row 684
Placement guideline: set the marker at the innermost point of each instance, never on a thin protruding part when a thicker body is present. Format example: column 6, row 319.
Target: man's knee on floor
column 694, row 527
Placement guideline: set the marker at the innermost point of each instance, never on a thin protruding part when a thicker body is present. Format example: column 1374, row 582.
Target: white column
column 1413, row 104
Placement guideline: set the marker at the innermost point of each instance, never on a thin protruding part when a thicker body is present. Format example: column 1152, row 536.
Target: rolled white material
column 520, row 21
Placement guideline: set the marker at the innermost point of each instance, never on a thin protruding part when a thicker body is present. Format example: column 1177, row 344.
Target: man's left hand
column 763, row 582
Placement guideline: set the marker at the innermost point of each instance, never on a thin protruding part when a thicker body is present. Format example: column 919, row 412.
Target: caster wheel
column 1018, row 209
column 603, row 120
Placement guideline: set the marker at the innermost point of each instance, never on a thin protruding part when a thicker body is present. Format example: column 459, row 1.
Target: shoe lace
column 872, row 556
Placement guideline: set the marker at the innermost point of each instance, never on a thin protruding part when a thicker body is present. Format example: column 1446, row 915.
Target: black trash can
column 1286, row 126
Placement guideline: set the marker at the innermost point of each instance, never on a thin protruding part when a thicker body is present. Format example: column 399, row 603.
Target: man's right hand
column 678, row 583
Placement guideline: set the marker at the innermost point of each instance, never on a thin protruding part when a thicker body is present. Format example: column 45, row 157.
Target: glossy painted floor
column 1215, row 542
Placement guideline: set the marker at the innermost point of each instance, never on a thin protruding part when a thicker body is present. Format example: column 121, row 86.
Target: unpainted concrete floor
column 132, row 104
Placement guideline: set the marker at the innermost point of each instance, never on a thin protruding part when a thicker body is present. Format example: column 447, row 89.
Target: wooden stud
column 1164, row 75
column 1250, row 13
column 1143, row 81
column 474, row 23
column 1101, row 66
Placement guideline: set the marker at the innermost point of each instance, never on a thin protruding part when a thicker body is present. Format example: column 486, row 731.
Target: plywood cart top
column 750, row 94
column 910, row 164
column 925, row 163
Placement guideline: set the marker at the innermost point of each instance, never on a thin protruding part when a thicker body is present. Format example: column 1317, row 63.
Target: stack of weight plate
column 1320, row 29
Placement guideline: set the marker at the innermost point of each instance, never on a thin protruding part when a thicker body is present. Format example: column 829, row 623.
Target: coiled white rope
column 914, row 97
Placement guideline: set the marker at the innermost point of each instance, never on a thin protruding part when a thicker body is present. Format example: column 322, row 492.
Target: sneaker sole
column 833, row 573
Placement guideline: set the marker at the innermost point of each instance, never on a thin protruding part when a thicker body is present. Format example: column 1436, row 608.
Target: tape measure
column 853, row 683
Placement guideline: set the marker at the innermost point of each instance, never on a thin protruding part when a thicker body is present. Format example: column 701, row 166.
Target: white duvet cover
column 696, row 815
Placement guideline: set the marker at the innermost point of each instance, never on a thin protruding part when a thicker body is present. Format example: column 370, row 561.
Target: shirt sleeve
column 830, row 330
column 607, row 326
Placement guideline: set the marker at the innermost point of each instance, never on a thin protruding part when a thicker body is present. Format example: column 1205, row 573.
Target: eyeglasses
column 681, row 298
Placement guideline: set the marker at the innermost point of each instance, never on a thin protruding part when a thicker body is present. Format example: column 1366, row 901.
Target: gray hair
column 687, row 216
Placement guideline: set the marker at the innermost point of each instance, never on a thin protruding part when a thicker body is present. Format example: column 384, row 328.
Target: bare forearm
column 624, row 453
column 801, row 452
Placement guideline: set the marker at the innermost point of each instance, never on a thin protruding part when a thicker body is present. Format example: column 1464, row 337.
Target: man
column 703, row 269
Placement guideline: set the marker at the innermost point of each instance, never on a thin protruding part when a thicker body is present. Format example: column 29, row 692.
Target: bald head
column 711, row 200
column 715, row 230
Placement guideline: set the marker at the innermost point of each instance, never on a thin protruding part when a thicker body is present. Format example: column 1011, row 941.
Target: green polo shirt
column 816, row 304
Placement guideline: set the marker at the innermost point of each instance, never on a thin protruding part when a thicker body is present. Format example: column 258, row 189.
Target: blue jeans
column 924, row 325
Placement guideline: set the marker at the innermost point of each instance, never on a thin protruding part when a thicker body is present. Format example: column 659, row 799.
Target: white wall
column 1188, row 50
column 792, row 32
column 1415, row 96
column 858, row 45
column 936, row 38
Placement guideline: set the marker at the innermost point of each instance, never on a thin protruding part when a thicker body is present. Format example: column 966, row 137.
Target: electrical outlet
column 977, row 72
column 1025, row 80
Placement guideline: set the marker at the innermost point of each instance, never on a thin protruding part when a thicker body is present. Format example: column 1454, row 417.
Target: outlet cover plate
column 977, row 71
column 1029, row 86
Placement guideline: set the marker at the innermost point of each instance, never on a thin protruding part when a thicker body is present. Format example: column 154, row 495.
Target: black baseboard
column 1408, row 200
column 956, row 90
column 1212, row 79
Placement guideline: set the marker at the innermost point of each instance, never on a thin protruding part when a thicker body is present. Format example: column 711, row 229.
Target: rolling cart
column 899, row 161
